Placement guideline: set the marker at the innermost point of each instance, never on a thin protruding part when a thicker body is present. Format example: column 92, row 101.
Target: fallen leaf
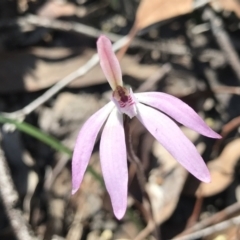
column 221, row 170
column 164, row 192
column 38, row 68
column 55, row 9
column 150, row 12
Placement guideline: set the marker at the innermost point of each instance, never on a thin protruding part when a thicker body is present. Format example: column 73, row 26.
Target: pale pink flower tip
column 109, row 62
column 144, row 106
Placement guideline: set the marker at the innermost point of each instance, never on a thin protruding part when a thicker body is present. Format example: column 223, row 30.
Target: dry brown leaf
column 221, row 170
column 164, row 192
column 54, row 9
column 229, row 5
column 40, row 68
column 152, row 11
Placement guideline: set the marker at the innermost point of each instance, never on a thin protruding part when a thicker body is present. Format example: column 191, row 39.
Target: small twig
column 51, row 177
column 196, row 212
column 163, row 46
column 226, row 129
column 216, row 218
column 65, row 26
column 212, row 229
column 223, row 40
column 151, row 225
column 149, row 84
column 62, row 83
column 227, row 90
column 9, row 198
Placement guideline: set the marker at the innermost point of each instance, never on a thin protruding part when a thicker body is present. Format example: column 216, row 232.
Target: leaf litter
column 29, row 67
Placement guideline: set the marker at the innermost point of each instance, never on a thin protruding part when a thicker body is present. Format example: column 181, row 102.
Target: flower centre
column 125, row 101
column 121, row 94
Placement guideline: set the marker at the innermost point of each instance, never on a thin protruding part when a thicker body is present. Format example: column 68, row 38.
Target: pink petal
column 178, row 110
column 113, row 158
column 85, row 143
column 171, row 137
column 109, row 62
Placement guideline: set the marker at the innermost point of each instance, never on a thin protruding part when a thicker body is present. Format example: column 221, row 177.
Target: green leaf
column 47, row 139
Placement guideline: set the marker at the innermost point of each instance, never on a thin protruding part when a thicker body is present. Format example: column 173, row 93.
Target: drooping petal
column 113, row 158
column 85, row 143
column 171, row 137
column 178, row 110
column 109, row 62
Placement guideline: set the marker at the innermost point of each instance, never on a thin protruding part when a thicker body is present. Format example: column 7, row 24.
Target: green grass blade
column 47, row 139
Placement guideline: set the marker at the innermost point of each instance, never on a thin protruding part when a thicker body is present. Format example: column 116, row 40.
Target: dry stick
column 223, row 40
column 9, row 198
column 226, row 129
column 151, row 225
column 65, row 26
column 212, row 229
column 63, row 160
column 196, row 212
column 216, row 218
column 227, row 90
column 62, row 83
column 133, row 32
column 167, row 47
column 149, row 84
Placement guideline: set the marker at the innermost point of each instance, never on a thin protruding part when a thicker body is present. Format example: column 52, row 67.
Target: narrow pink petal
column 178, row 110
column 85, row 143
column 109, row 62
column 171, row 137
column 113, row 158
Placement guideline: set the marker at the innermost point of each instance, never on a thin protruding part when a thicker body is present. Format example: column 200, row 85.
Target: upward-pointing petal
column 113, row 158
column 178, row 110
column 109, row 62
column 85, row 143
column 171, row 137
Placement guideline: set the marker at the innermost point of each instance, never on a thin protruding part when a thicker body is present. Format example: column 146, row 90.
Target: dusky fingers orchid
column 144, row 106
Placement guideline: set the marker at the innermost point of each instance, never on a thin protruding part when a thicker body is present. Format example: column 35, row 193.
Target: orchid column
column 113, row 154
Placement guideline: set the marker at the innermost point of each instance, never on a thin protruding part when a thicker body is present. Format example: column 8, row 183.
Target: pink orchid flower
column 113, row 155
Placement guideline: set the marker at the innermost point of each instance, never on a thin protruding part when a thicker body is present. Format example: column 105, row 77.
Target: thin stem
column 132, row 156
column 151, row 226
